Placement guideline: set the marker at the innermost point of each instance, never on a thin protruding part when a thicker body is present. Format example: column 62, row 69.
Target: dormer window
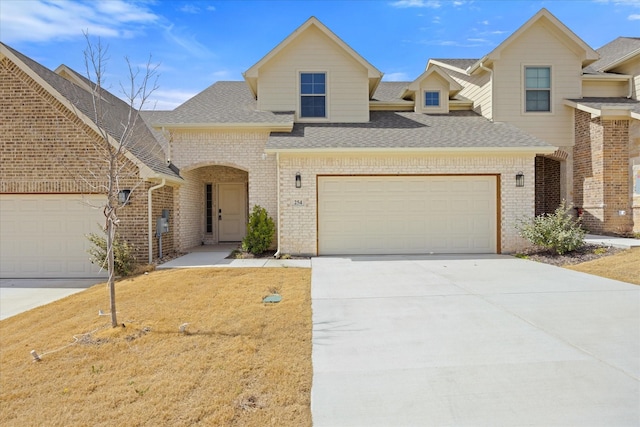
column 432, row 98
column 313, row 95
column 537, row 89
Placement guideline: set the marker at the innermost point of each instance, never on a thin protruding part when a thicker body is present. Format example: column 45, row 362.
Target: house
column 346, row 163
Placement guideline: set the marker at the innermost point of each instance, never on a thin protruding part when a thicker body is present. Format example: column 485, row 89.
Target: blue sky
column 198, row 43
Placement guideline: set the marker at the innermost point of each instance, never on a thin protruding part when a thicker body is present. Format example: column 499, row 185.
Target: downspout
column 490, row 71
column 150, row 212
column 277, row 254
column 630, row 94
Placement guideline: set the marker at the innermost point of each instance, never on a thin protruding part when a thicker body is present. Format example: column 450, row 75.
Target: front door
column 232, row 222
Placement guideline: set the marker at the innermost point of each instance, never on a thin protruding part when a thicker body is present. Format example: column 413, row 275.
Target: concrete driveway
column 471, row 340
column 20, row 295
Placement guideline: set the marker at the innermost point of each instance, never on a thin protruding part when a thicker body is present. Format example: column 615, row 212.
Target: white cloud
column 190, row 8
column 46, row 20
column 485, row 22
column 432, row 4
column 634, row 18
column 187, row 42
column 395, row 77
column 632, row 3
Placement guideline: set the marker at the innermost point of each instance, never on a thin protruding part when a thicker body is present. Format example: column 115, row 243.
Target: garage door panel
column 417, row 214
column 44, row 235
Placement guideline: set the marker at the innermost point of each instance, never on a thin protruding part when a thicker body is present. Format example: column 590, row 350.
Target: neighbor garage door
column 44, row 235
column 407, row 214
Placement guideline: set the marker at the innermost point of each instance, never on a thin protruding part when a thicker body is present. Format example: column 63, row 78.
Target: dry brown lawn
column 624, row 266
column 239, row 363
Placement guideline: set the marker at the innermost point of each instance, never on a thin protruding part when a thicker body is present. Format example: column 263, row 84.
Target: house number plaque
column 298, row 203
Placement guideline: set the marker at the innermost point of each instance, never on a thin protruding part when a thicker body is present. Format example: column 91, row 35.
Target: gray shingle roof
column 222, row 102
column 462, row 64
column 145, row 146
column 407, row 130
column 612, row 52
column 390, row 91
column 599, row 103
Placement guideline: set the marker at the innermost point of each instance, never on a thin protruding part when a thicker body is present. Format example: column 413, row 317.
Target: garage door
column 44, row 235
column 407, row 214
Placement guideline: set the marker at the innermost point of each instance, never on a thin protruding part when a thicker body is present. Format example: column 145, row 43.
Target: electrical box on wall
column 636, row 179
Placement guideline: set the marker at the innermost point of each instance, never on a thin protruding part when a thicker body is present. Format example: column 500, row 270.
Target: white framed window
column 432, row 98
column 313, row 95
column 537, row 89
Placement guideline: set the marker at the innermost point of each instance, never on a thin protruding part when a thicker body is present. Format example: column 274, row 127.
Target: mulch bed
column 586, row 253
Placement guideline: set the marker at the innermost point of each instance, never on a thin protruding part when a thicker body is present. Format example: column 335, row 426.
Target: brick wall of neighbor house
column 45, row 148
column 195, row 152
column 299, row 227
column 547, row 185
column 601, row 173
column 634, row 162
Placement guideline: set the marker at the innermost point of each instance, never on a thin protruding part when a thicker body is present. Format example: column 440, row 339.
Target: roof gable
column 252, row 74
column 588, row 54
column 147, row 153
column 454, row 86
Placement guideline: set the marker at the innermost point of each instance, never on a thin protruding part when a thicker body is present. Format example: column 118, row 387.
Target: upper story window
column 313, row 95
column 432, row 98
column 537, row 88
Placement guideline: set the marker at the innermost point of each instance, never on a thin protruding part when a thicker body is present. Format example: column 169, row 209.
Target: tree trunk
column 110, row 267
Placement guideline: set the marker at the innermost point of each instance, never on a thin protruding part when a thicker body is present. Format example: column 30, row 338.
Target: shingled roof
column 613, row 52
column 461, row 64
column 409, row 131
column 221, row 103
column 146, row 148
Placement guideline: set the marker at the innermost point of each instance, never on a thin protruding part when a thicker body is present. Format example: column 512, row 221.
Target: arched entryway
column 212, row 205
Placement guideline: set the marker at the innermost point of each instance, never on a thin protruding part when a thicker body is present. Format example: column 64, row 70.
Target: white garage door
column 44, row 235
column 407, row 214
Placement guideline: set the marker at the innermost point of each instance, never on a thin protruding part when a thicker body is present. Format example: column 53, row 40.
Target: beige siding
column 631, row 68
column 478, row 89
column 433, row 83
column 538, row 46
column 313, row 51
column 604, row 88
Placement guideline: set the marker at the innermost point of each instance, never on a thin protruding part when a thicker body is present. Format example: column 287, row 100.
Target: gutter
column 277, row 254
column 490, row 71
column 150, row 219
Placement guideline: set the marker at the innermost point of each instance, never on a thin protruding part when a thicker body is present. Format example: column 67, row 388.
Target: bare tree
column 113, row 164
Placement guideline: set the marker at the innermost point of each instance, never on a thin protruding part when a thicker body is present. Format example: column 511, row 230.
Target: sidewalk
column 217, row 257
column 616, row 242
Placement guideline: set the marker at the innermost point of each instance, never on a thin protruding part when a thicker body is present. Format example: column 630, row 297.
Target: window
column 432, row 99
column 538, row 88
column 209, row 207
column 313, row 95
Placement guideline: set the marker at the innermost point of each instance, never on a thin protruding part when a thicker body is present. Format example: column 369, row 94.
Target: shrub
column 260, row 231
column 558, row 231
column 124, row 260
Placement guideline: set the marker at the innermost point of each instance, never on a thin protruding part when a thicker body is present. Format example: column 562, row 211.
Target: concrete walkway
column 471, row 341
column 216, row 256
column 616, row 242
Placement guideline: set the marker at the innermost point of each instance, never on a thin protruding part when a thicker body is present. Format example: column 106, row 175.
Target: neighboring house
column 348, row 164
column 48, row 199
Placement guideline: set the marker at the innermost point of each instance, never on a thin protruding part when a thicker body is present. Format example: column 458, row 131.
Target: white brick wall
column 298, row 207
column 200, row 155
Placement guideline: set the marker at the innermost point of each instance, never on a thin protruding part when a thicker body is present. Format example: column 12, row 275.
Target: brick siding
column 601, row 173
column 212, row 157
column 299, row 222
column 547, row 178
column 46, row 149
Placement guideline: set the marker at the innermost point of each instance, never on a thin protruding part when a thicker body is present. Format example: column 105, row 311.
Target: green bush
column 124, row 260
column 558, row 231
column 260, row 231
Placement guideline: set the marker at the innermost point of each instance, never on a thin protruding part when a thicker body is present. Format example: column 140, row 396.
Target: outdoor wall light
column 123, row 197
column 298, row 180
column 519, row 179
